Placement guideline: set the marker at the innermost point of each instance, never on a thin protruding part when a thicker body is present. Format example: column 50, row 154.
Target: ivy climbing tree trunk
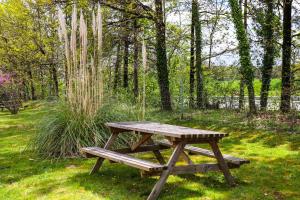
column 198, row 65
column 192, row 66
column 244, row 51
column 285, row 105
column 269, row 53
column 162, row 65
column 242, row 81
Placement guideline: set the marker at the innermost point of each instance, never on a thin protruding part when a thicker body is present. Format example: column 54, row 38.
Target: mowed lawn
column 274, row 171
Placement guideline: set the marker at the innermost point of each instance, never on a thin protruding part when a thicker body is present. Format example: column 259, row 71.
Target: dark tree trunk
column 242, row 94
column 286, row 57
column 244, row 51
column 126, row 58
column 199, row 73
column 136, row 61
column 43, row 91
column 117, row 68
column 162, row 65
column 269, row 50
column 192, row 66
column 55, row 80
column 32, row 88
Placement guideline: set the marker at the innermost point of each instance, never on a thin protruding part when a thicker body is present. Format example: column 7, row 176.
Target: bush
column 62, row 132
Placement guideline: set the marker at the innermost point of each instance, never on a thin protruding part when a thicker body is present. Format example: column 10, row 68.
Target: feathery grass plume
column 63, row 35
column 85, row 81
column 144, row 55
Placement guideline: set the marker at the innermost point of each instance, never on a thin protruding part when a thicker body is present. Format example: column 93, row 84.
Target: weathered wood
column 165, row 174
column 157, row 153
column 183, row 154
column 145, row 138
column 200, row 151
column 222, row 164
column 142, row 148
column 99, row 162
column 191, row 169
column 122, row 158
column 166, row 130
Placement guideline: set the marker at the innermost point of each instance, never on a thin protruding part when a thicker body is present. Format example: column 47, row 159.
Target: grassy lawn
column 274, row 171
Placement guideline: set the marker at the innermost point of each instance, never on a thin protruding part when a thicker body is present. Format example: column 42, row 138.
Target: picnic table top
column 166, row 130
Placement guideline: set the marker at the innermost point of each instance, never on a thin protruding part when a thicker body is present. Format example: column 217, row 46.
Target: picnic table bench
column 177, row 137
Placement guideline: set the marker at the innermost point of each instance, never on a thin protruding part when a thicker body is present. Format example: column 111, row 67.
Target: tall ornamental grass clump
column 62, row 132
column 79, row 120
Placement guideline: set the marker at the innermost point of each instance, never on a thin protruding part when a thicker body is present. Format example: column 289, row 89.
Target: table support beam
column 99, row 162
column 222, row 164
column 165, row 174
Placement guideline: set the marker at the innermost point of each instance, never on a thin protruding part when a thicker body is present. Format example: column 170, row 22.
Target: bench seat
column 122, row 158
column 200, row 151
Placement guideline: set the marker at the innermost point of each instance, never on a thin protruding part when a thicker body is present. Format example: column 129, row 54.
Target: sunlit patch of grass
column 273, row 173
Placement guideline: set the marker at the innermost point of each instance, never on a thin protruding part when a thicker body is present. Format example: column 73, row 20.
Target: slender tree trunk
column 242, row 94
column 269, row 50
column 42, row 82
column 244, row 51
column 32, row 88
column 117, row 68
column 286, row 57
column 162, row 65
column 199, row 73
column 55, row 80
column 136, row 61
column 192, row 66
column 242, row 81
column 126, row 58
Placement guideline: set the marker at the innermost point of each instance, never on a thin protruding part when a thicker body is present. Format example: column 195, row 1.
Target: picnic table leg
column 165, row 174
column 99, row 162
column 222, row 164
column 157, row 154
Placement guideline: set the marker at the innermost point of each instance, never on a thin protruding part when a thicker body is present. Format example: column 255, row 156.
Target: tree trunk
column 244, row 51
column 162, row 65
column 55, row 80
column 117, row 68
column 199, row 73
column 136, row 61
column 269, row 50
column 42, row 82
column 242, row 94
column 286, row 57
column 192, row 66
column 126, row 58
column 242, row 82
column 32, row 88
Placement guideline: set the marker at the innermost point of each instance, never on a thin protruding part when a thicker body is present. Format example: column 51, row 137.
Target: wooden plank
column 143, row 148
column 204, row 152
column 222, row 164
column 191, row 169
column 166, row 130
column 124, row 159
column 165, row 174
column 99, row 162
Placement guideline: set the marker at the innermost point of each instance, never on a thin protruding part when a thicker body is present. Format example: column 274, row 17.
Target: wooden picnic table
column 177, row 137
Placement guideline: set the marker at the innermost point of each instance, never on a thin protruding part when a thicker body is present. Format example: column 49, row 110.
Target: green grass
column 274, row 171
